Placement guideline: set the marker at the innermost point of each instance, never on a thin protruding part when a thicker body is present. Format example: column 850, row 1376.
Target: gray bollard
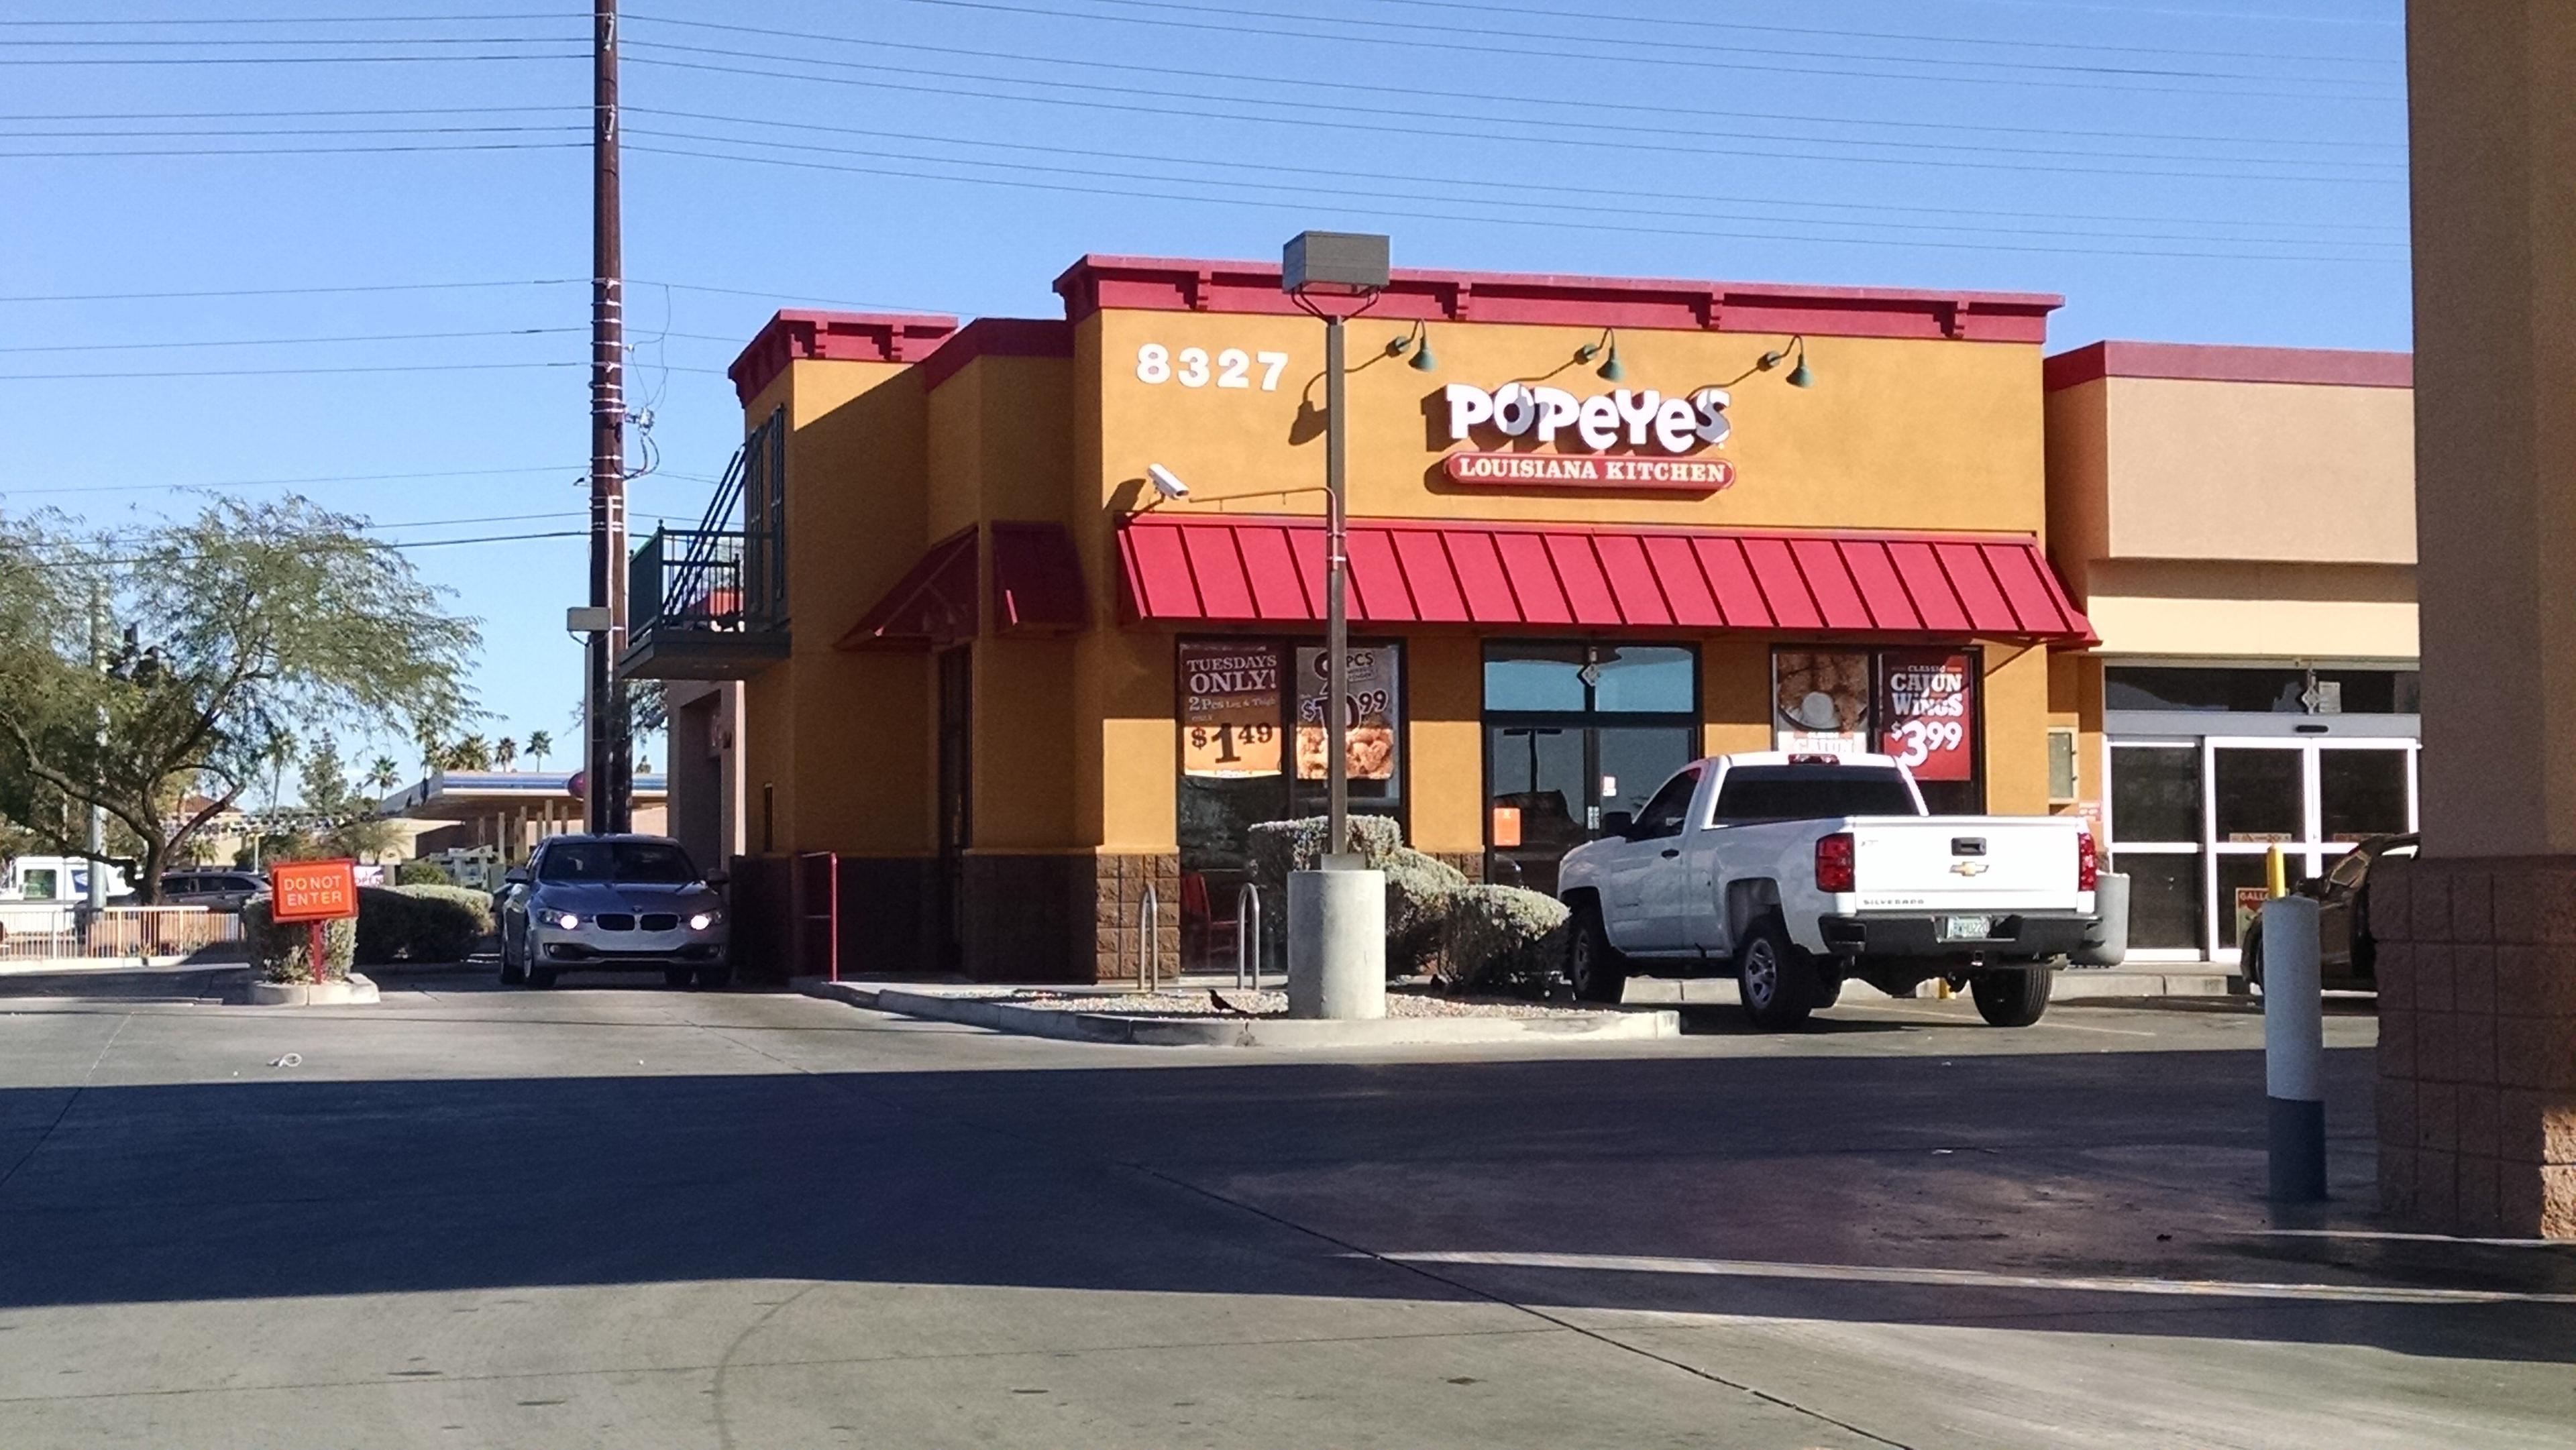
column 2294, row 1049
column 2106, row 941
column 1337, row 944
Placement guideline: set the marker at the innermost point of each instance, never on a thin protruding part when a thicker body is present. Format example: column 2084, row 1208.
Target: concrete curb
column 64, row 966
column 353, row 992
column 1243, row 1032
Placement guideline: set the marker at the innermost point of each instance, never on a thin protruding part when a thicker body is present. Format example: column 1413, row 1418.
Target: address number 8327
column 1195, row 367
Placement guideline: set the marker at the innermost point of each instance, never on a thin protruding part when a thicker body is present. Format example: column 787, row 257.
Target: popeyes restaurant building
column 968, row 685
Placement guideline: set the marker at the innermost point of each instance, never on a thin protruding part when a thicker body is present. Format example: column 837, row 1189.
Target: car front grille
column 616, row 921
column 661, row 921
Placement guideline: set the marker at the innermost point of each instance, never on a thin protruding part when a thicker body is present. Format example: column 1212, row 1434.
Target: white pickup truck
column 1797, row 872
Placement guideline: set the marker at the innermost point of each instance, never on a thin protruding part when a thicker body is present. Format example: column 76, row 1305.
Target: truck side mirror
column 1618, row 823
column 514, row 876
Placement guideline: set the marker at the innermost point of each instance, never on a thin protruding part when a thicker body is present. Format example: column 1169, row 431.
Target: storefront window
column 1646, row 679
column 2361, row 793
column 1252, row 743
column 1921, row 706
column 2155, row 793
column 2164, row 899
column 1575, row 733
column 2222, row 689
column 2261, row 794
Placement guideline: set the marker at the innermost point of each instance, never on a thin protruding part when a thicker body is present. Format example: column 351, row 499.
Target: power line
column 572, row 468
column 272, row 131
column 1731, row 27
column 297, row 20
column 282, row 59
column 1589, row 105
column 286, row 341
column 1499, row 204
column 296, row 291
column 1768, row 235
column 1615, row 138
column 293, row 150
column 286, row 372
column 265, row 115
column 292, row 40
column 1707, row 57
column 1343, row 175
column 356, row 545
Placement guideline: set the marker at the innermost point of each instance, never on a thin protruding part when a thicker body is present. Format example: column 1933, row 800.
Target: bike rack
column 1247, row 937
column 1149, row 955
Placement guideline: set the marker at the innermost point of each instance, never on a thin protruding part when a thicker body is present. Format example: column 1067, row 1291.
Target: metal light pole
column 1336, row 916
column 607, row 753
column 1337, row 620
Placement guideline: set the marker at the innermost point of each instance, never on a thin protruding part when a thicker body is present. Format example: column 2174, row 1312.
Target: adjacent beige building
column 2239, row 525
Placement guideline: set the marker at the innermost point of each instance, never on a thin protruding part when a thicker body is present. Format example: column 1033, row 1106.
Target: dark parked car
column 611, row 904
column 222, row 890
column 2345, row 951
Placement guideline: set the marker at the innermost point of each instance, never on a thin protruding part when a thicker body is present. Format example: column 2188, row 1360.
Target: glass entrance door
column 1573, row 733
column 2191, row 822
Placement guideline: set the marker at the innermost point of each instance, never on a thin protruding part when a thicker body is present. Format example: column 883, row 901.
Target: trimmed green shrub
column 422, row 873
column 420, row 923
column 1276, row 848
column 1504, row 938
column 284, row 952
column 1418, row 888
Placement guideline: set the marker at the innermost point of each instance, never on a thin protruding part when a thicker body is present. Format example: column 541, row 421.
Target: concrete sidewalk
column 982, row 1005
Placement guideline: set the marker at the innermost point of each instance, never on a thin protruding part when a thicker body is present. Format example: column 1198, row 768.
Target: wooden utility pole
column 608, row 756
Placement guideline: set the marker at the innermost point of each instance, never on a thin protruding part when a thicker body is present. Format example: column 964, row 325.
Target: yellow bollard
column 2276, row 872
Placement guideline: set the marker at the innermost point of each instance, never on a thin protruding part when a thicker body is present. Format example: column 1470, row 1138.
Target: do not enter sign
column 313, row 890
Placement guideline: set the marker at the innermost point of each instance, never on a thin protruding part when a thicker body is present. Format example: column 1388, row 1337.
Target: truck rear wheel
column 1774, row 980
column 1593, row 967
column 2011, row 997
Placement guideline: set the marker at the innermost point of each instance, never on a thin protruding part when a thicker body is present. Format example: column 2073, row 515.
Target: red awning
column 1245, row 570
column 1037, row 590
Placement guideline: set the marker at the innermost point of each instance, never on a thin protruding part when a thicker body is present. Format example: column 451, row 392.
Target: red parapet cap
column 2200, row 362
column 796, row 335
column 1172, row 284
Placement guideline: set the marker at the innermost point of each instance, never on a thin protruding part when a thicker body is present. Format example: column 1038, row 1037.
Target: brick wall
column 2477, row 1043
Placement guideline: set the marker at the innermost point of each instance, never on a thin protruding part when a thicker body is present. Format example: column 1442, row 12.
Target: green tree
column 335, row 817
column 244, row 626
column 384, row 774
column 540, row 745
column 471, row 753
column 505, row 752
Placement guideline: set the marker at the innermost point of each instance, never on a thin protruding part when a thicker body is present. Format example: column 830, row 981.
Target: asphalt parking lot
column 638, row 1218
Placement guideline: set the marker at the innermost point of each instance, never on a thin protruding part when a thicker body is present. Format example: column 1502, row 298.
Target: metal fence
column 118, row 932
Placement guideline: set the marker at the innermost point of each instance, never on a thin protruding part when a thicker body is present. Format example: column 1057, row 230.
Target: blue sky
column 2224, row 171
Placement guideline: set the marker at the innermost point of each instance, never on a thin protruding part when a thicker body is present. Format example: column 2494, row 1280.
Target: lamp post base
column 1337, row 944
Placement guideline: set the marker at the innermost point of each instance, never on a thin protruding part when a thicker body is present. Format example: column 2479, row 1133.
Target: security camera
column 1166, row 483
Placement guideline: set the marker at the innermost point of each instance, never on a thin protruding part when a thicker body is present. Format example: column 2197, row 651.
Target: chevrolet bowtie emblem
column 1969, row 868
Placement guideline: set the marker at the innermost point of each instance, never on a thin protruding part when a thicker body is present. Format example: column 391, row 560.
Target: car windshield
column 650, row 863
column 1754, row 793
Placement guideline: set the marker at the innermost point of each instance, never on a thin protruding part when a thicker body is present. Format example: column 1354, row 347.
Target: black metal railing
column 722, row 576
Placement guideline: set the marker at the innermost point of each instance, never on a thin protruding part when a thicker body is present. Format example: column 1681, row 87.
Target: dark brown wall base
column 2477, row 1043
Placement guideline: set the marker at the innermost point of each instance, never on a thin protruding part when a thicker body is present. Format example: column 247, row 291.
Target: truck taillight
column 1834, row 871
column 2088, row 867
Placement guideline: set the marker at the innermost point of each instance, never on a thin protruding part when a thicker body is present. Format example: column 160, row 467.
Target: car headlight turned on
column 566, row 920
column 705, row 919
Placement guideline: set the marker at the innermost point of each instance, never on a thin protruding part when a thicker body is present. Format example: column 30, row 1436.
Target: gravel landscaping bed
column 1200, row 1003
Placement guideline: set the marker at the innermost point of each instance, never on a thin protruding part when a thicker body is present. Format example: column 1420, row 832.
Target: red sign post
column 313, row 892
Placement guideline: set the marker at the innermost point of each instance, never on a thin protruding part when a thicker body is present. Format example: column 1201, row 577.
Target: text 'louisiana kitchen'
column 1648, row 419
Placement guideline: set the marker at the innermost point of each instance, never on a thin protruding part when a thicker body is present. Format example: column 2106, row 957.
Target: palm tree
column 471, row 753
column 384, row 774
column 540, row 745
column 505, row 752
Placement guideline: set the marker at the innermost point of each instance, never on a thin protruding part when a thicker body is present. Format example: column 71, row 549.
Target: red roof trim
column 997, row 337
column 2196, row 362
column 1212, row 569
column 794, row 335
column 1176, row 284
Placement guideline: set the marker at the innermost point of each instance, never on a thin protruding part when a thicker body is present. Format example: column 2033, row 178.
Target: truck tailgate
column 1975, row 863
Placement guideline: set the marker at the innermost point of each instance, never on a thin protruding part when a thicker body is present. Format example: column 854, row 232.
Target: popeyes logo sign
column 1663, row 429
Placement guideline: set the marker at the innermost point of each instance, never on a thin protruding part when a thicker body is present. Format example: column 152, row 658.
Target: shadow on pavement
column 1257, row 1178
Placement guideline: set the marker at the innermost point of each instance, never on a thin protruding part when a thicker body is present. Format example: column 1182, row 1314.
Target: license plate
column 1967, row 928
